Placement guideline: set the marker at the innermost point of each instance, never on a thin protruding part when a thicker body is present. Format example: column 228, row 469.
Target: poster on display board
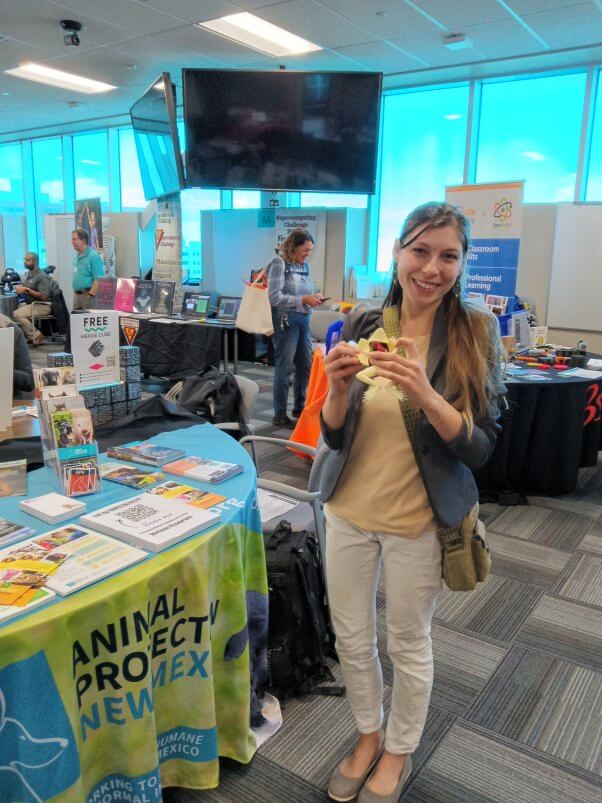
column 495, row 212
column 95, row 347
column 167, row 266
column 88, row 216
column 7, row 349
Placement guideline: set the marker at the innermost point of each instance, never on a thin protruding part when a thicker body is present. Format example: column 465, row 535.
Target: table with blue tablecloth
column 142, row 680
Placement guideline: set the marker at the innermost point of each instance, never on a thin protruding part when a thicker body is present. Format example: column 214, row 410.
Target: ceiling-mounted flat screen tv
column 311, row 131
column 156, row 136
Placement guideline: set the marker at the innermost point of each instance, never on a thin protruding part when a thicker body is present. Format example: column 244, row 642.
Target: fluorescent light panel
column 64, row 80
column 256, row 33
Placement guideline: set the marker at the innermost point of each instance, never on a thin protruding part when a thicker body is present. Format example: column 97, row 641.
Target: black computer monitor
column 227, row 309
column 195, row 305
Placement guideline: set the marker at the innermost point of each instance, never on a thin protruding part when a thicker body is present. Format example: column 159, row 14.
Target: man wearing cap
column 35, row 288
column 87, row 269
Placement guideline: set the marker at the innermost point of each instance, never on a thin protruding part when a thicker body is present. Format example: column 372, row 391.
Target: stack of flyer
column 60, row 561
column 187, row 494
column 147, row 453
column 150, row 521
column 52, row 507
column 10, row 532
column 66, row 430
column 133, row 477
column 201, row 468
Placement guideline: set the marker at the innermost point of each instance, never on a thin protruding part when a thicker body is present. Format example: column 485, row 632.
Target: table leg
column 235, row 350
column 225, row 331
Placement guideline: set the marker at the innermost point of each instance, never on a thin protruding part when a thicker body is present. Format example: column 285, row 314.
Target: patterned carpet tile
column 495, row 610
column 261, row 781
column 548, row 704
column 552, row 527
column 525, row 561
column 571, row 503
column 584, row 584
column 566, row 629
column 471, row 767
column 463, row 665
column 593, row 538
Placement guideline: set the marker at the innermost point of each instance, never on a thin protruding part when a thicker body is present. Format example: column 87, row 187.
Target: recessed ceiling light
column 537, row 157
column 257, row 33
column 64, row 80
column 452, row 116
column 457, row 41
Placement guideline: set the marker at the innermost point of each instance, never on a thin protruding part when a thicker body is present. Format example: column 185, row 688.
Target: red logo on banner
column 158, row 237
column 593, row 407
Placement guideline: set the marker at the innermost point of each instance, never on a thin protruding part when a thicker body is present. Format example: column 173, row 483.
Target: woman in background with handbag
column 398, row 485
column 292, row 297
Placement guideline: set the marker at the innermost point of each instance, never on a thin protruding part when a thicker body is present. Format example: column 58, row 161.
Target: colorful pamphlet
column 80, row 476
column 13, row 478
column 131, row 476
column 105, row 294
column 10, row 532
column 124, row 295
column 59, row 392
column 58, row 404
column 38, row 597
column 147, row 453
column 201, row 468
column 53, row 508
column 143, row 296
column 187, row 494
column 72, row 427
column 24, row 568
column 163, row 298
column 150, row 521
column 53, row 377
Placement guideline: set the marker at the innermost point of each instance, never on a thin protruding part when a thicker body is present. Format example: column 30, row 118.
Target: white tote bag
column 255, row 311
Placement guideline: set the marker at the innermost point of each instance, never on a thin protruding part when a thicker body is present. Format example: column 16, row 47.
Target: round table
column 141, row 680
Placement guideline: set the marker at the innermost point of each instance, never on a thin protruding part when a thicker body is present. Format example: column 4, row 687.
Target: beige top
column 380, row 488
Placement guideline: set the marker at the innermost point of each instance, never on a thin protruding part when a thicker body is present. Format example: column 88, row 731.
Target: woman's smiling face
column 428, row 267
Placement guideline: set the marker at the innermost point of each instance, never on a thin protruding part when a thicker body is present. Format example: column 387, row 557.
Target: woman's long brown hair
column 296, row 238
column 474, row 348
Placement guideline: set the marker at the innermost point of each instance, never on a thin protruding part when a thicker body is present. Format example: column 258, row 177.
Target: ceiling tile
column 108, row 65
column 568, row 27
column 313, row 22
column 530, row 6
column 398, row 20
column 431, row 50
column 383, row 57
column 454, row 15
column 14, row 53
column 130, row 15
column 318, row 60
column 193, row 10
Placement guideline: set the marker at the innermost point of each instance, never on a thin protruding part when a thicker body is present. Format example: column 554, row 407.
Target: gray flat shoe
column 367, row 796
column 342, row 788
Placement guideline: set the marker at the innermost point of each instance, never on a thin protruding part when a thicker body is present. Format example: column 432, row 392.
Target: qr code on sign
column 138, row 513
column 111, row 361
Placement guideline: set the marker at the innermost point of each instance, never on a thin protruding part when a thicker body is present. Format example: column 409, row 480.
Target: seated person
column 36, row 290
column 22, row 370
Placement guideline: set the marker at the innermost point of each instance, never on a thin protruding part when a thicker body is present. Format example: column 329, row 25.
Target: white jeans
column 412, row 569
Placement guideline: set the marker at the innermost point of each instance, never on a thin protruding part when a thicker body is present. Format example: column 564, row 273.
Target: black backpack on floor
column 214, row 396
column 299, row 635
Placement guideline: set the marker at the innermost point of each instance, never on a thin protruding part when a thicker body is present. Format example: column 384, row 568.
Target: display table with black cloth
column 177, row 348
column 142, row 680
column 552, row 429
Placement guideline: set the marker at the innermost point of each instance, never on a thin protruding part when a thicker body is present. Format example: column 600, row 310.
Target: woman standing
column 381, row 506
column 292, row 297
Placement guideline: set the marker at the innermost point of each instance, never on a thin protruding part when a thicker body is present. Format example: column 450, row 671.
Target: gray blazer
column 446, row 468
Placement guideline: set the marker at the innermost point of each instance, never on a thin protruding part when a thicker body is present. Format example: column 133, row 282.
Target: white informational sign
column 167, row 265
column 287, row 220
column 7, row 350
column 95, row 347
column 495, row 212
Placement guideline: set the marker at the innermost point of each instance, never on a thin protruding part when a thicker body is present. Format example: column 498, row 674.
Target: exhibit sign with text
column 314, row 222
column 95, row 347
column 495, row 212
column 167, row 265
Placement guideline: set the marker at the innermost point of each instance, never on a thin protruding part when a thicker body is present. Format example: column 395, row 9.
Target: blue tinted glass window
column 49, row 191
column 91, row 167
column 593, row 190
column 11, row 179
column 193, row 201
column 336, row 200
column 132, row 194
column 530, row 129
column 246, row 199
column 423, row 144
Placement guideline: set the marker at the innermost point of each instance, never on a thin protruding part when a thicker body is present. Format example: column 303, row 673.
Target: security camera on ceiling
column 73, row 27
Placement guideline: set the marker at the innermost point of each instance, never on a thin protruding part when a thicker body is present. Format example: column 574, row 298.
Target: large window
column 132, row 194
column 193, row 201
column 49, row 191
column 593, row 189
column 423, row 146
column 11, row 179
column 91, row 167
column 530, row 129
column 334, row 200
